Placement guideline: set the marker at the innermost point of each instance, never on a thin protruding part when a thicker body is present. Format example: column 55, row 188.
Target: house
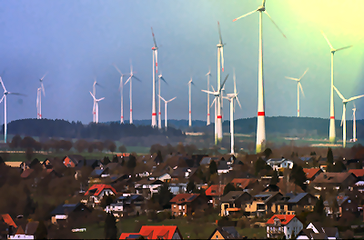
column 345, row 205
column 97, row 191
column 154, row 232
column 317, row 231
column 334, row 180
column 183, row 173
column 301, row 200
column 359, row 173
column 311, row 173
column 28, row 233
column 223, row 167
column 207, row 160
column 93, row 163
column 279, row 163
column 214, row 192
column 263, row 203
column 244, row 183
column 234, row 201
column 62, row 212
column 225, row 233
column 128, row 204
column 7, row 226
column 72, row 160
column 186, row 203
column 280, row 225
column 147, row 188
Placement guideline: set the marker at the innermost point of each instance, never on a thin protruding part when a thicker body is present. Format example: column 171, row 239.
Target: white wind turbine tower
column 354, row 124
column 190, row 103
column 260, row 144
column 217, row 94
column 121, row 89
column 155, row 71
column 39, row 97
column 94, row 93
column 332, row 133
column 220, row 66
column 96, row 106
column 160, row 77
column 231, row 97
column 165, row 109
column 208, row 97
column 343, row 119
column 5, row 110
column 130, row 93
column 299, row 86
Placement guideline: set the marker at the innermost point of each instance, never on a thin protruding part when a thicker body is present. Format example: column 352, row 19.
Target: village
column 179, row 195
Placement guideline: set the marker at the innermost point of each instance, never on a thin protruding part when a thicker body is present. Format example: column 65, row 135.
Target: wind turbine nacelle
column 154, row 48
column 219, row 45
column 261, row 9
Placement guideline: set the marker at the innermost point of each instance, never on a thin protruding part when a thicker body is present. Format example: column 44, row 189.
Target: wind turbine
column 343, row 119
column 220, row 66
column 39, row 97
column 155, row 71
column 299, row 86
column 332, row 134
column 130, row 93
column 96, row 101
column 208, row 97
column 121, row 89
column 231, row 97
column 94, row 93
column 165, row 109
column 260, row 143
column 217, row 94
column 354, row 124
column 189, row 103
column 5, row 114
column 160, row 77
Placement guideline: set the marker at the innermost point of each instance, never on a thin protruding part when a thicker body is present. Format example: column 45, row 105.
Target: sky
column 76, row 41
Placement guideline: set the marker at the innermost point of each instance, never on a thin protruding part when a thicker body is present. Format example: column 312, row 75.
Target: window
column 180, row 207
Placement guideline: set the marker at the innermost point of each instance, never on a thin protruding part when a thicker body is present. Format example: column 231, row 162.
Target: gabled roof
column 226, row 232
column 96, row 189
column 357, row 172
column 341, row 199
column 184, row 198
column 158, row 232
column 222, row 165
column 65, row 209
column 332, row 177
column 31, row 227
column 130, row 236
column 215, row 190
column 8, row 220
column 289, row 187
column 243, row 183
column 75, row 158
column 311, row 172
column 297, row 198
column 232, row 196
column 267, row 196
column 285, row 219
column 97, row 172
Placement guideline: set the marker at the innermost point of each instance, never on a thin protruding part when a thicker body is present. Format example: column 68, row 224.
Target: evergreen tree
column 190, row 186
column 330, row 156
column 319, row 206
column 268, row 152
column 298, row 176
column 110, row 229
column 260, row 165
column 213, row 167
column 229, row 187
column 164, row 196
column 41, row 232
column 106, row 160
column 131, row 164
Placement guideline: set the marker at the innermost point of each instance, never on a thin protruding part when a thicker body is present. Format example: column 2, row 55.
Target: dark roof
column 89, row 163
column 227, row 232
column 31, row 227
column 184, row 197
column 223, row 166
column 65, row 209
column 232, row 195
column 333, row 177
column 331, row 231
column 297, row 198
column 318, row 236
column 96, row 172
column 75, row 158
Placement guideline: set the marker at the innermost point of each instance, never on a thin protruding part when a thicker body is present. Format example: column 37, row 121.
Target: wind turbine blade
column 18, row 94
column 2, row 84
column 155, row 43
column 209, row 92
column 162, row 98
column 338, row 93
column 353, row 98
column 237, row 99
column 223, row 83
column 247, row 14
column 127, row 80
column 98, row 100
column 218, row 26
column 210, row 105
column 117, row 69
column 212, row 88
column 344, row 48
column 300, row 86
column 43, row 76
column 234, row 77
column 42, row 86
column 162, row 78
column 136, row 78
column 291, row 78
column 303, row 74
column 170, row 100
column 327, row 40
column 2, row 99
column 93, row 96
column 274, row 23
column 222, row 58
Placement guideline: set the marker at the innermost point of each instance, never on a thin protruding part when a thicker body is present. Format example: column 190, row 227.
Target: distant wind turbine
column 343, row 118
column 260, row 143
column 332, row 133
column 299, row 86
column 39, row 97
column 96, row 106
column 165, row 109
column 190, row 103
column 94, row 93
column 130, row 93
column 121, row 89
column 160, row 77
column 155, row 72
column 208, row 122
column 5, row 110
column 354, row 124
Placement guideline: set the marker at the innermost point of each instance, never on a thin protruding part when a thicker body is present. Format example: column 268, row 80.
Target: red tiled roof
column 184, row 197
column 99, row 188
column 357, row 172
column 126, row 235
column 158, row 232
column 8, row 220
column 215, row 190
column 242, row 182
column 310, row 172
column 285, row 219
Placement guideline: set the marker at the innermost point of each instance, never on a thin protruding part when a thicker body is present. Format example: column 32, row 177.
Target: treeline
column 48, row 128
